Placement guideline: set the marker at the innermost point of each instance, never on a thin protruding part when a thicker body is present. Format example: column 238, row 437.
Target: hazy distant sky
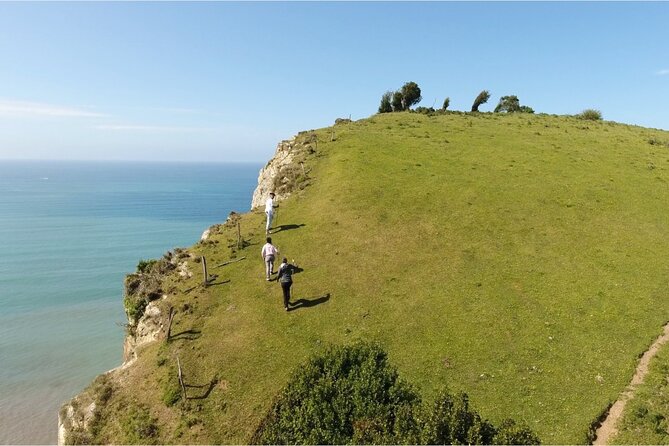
column 226, row 81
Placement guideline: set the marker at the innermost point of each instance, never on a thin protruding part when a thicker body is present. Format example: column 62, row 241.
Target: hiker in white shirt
column 269, row 253
column 269, row 211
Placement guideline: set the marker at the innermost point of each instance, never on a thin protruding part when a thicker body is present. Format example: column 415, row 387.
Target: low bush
column 352, row 395
column 139, row 427
column 144, row 266
column 590, row 115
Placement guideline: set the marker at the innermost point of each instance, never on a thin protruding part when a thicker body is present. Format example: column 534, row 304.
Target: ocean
column 69, row 233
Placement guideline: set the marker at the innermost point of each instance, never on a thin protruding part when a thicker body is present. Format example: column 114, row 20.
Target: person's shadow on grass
column 308, row 303
column 286, row 228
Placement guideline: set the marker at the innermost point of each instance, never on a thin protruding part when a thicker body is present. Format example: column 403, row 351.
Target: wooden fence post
column 239, row 236
column 181, row 380
column 169, row 324
column 205, row 281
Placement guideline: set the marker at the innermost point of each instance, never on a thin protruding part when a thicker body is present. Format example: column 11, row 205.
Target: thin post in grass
column 239, row 236
column 169, row 324
column 205, row 280
column 181, row 379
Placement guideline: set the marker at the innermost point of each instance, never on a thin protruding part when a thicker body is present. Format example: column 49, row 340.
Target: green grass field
column 645, row 416
column 519, row 258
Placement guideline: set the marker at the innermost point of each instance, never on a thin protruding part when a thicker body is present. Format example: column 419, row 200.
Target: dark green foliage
column 509, row 432
column 425, row 110
column 655, row 141
column 386, row 105
column 139, row 427
column 401, row 99
column 452, row 422
column 134, row 306
column 352, row 395
column 410, row 95
column 397, row 102
column 526, row 109
column 447, row 102
column 590, row 115
column 347, row 394
column 508, row 104
column 481, row 99
column 144, row 266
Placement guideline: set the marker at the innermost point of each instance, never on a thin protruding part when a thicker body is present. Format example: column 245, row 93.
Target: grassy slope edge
column 518, row 258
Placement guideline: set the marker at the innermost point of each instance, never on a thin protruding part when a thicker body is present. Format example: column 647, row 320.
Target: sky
column 226, row 81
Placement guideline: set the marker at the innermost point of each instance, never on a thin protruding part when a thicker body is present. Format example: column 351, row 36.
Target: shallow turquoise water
column 69, row 232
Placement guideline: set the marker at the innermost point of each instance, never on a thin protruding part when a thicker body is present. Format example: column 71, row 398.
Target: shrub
column 346, row 393
column 590, row 115
column 401, row 99
column 511, row 433
column 134, row 307
column 508, row 104
column 397, row 102
column 139, row 427
column 481, row 99
column 424, row 110
column 450, row 421
column 386, row 105
column 658, row 142
column 410, row 95
column 447, row 102
column 352, row 395
column 144, row 266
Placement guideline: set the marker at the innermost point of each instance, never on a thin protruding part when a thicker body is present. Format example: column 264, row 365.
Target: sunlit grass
column 520, row 258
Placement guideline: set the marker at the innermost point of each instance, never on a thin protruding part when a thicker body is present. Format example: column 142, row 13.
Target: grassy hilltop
column 519, row 258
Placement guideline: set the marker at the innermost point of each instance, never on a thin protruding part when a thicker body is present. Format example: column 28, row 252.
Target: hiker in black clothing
column 285, row 278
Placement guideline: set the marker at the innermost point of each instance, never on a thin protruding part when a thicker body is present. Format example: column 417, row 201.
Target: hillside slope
column 519, row 258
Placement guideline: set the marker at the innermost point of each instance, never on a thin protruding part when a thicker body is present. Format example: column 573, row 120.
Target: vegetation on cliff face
column 518, row 258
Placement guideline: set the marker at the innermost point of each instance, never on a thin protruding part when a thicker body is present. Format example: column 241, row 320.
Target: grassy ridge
column 519, row 258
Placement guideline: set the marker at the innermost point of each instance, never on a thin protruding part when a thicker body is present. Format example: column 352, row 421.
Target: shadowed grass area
column 518, row 258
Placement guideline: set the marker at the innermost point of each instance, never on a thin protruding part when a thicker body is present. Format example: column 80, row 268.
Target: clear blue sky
column 226, row 81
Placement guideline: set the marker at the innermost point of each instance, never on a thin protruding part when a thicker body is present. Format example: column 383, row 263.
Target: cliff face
column 146, row 300
column 147, row 313
column 286, row 171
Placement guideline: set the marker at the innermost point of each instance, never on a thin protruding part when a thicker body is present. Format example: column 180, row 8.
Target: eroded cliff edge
column 147, row 291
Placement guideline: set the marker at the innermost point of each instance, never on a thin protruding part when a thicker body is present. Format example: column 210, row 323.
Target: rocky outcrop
column 147, row 317
column 150, row 327
column 286, row 171
column 74, row 420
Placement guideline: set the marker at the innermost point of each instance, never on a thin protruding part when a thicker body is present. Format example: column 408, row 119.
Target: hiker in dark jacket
column 285, row 278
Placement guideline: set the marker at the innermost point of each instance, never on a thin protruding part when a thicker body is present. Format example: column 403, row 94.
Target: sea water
column 69, row 232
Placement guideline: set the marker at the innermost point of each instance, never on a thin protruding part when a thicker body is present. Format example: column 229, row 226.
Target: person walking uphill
column 269, row 253
column 269, row 211
column 285, row 278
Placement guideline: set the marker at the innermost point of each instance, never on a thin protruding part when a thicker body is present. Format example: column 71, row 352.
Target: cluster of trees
column 410, row 95
column 351, row 395
column 401, row 99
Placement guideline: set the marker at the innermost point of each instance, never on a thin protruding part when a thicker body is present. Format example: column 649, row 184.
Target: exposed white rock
column 182, row 269
column 74, row 420
column 149, row 329
column 283, row 157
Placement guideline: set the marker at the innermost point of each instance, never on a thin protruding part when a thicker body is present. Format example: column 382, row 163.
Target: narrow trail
column 608, row 428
